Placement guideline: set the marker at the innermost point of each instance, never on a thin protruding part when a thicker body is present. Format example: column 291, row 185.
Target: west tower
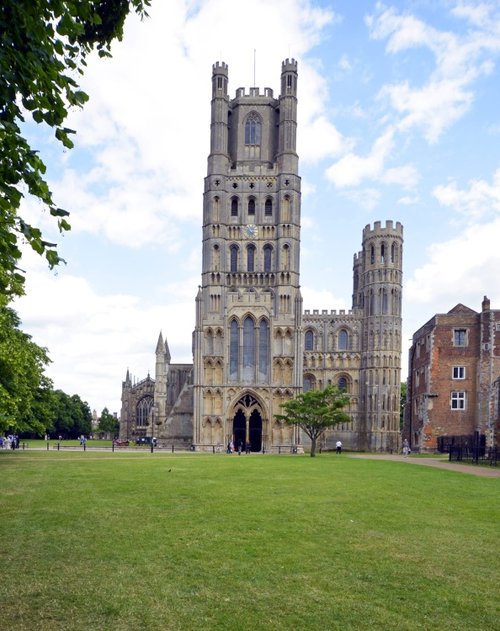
column 247, row 344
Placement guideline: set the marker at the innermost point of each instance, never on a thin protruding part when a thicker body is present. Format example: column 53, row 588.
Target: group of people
column 239, row 447
column 9, row 442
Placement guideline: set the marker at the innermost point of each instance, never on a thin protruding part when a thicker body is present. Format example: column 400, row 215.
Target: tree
column 108, row 423
column 315, row 411
column 43, row 48
column 72, row 416
column 402, row 404
column 22, row 363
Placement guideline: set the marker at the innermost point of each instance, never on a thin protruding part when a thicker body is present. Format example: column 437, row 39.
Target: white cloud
column 459, row 60
column 322, row 299
column 93, row 338
column 480, row 201
column 459, row 270
column 367, row 198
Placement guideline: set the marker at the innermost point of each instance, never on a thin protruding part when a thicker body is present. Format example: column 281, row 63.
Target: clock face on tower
column 251, row 231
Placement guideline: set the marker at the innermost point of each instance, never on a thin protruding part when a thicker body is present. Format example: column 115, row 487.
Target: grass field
column 140, row 541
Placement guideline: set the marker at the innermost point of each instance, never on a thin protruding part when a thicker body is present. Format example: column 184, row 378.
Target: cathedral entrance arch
column 247, row 423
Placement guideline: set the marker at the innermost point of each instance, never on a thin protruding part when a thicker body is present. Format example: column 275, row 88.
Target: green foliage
column 315, row 411
column 71, row 416
column 43, row 49
column 22, row 363
column 402, row 404
column 108, row 423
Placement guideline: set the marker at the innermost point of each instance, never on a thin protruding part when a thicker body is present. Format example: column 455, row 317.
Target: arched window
column 268, row 207
column 393, row 252
column 309, row 341
column 216, row 258
column 250, row 258
column 285, row 263
column 253, row 129
column 268, row 253
column 343, row 344
column 372, row 255
column 342, row 384
column 263, row 350
column 248, row 371
column 234, row 206
column 233, row 351
column 234, row 258
column 143, row 409
column 251, row 206
column 382, row 253
column 309, row 383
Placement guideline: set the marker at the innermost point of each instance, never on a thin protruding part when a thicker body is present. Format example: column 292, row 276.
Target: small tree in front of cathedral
column 315, row 411
column 108, row 423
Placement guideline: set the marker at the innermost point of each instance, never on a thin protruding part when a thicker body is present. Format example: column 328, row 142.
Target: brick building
column 454, row 379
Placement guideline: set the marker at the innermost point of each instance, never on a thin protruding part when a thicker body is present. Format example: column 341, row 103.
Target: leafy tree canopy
column 43, row 50
column 72, row 417
column 22, row 363
column 315, row 411
column 108, row 422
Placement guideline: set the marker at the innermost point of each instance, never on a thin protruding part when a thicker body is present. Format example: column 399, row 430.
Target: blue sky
column 398, row 119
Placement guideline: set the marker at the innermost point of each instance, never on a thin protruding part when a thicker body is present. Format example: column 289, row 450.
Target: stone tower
column 377, row 291
column 248, row 348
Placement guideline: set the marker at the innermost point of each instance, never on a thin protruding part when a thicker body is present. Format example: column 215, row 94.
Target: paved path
column 479, row 470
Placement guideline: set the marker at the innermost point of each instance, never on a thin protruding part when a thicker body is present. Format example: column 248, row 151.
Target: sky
column 398, row 118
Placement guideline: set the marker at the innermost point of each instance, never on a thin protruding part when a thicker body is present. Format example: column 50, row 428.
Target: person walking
column 406, row 448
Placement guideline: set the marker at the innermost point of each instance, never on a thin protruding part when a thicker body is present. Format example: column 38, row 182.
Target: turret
column 379, row 292
column 287, row 154
column 218, row 158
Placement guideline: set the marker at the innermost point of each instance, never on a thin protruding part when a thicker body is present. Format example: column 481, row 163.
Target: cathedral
column 254, row 347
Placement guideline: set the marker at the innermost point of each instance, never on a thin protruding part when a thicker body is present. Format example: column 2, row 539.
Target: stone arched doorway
column 247, row 423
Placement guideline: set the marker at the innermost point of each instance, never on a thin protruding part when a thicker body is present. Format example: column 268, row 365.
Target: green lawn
column 141, row 541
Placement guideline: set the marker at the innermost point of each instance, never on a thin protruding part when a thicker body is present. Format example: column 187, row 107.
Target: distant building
column 454, row 379
column 253, row 346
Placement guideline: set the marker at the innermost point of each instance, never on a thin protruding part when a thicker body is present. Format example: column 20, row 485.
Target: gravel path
column 481, row 471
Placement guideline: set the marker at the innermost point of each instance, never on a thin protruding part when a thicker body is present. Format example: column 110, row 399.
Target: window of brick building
column 460, row 337
column 457, row 401
column 458, row 372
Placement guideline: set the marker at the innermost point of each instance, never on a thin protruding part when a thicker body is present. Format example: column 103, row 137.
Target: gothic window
column 286, row 257
column 248, row 349
column 263, row 350
column 268, row 252
column 393, row 252
column 234, row 258
column 309, row 341
column 342, row 384
column 253, row 129
column 343, row 340
column 385, row 307
column 285, row 215
column 143, row 410
column 251, row 206
column 216, row 208
column 372, row 255
column 216, row 258
column 268, row 207
column 234, row 206
column 309, row 383
column 382, row 253
column 233, row 350
column 250, row 258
